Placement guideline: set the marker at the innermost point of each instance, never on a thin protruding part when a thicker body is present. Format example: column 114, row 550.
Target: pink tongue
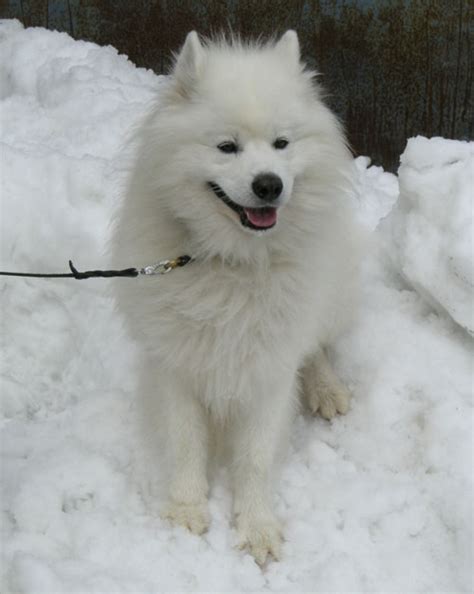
column 262, row 217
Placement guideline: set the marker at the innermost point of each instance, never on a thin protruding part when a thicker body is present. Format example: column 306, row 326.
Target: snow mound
column 377, row 191
column 378, row 500
column 432, row 225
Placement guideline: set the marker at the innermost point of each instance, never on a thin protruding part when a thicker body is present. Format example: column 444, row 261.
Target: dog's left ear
column 288, row 46
column 188, row 64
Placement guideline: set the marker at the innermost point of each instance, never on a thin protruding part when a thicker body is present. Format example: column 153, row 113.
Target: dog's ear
column 288, row 46
column 188, row 63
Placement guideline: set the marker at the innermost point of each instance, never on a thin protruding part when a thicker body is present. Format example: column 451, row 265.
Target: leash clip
column 164, row 266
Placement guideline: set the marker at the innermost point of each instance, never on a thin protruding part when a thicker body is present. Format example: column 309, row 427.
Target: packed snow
column 378, row 500
column 433, row 223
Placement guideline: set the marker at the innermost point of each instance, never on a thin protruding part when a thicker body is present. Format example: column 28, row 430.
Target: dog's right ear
column 188, row 64
column 288, row 47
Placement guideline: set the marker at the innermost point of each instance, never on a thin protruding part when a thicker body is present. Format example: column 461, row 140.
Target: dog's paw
column 329, row 399
column 193, row 516
column 260, row 538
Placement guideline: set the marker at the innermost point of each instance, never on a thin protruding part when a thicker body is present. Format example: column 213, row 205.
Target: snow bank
column 377, row 191
column 432, row 225
column 378, row 500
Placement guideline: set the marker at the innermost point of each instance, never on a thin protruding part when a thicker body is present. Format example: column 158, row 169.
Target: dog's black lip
column 219, row 192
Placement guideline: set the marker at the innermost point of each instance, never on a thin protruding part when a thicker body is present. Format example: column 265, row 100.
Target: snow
column 433, row 225
column 378, row 192
column 378, row 500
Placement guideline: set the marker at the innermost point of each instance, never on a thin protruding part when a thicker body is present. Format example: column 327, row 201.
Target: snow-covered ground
column 377, row 501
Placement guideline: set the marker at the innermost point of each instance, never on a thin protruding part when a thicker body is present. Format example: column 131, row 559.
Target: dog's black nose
column 267, row 186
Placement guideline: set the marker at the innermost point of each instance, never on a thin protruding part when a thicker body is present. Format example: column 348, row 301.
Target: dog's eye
column 280, row 143
column 228, row 147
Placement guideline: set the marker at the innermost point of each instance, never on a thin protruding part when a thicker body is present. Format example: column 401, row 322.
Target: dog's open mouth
column 259, row 219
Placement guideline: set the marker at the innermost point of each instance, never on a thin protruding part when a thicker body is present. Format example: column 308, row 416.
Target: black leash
column 160, row 268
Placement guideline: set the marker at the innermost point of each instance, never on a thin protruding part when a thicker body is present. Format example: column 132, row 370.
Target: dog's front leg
column 187, row 426
column 324, row 391
column 258, row 433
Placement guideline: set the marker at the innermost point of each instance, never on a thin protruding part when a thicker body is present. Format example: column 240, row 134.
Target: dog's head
column 241, row 132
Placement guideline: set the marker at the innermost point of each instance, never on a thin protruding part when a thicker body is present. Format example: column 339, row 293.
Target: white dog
column 241, row 166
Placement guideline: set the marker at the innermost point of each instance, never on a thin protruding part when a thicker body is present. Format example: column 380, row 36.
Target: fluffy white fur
column 229, row 336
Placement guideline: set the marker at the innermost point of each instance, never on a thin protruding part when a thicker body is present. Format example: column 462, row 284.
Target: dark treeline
column 392, row 69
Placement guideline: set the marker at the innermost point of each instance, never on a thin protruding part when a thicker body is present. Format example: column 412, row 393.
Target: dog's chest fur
column 233, row 331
